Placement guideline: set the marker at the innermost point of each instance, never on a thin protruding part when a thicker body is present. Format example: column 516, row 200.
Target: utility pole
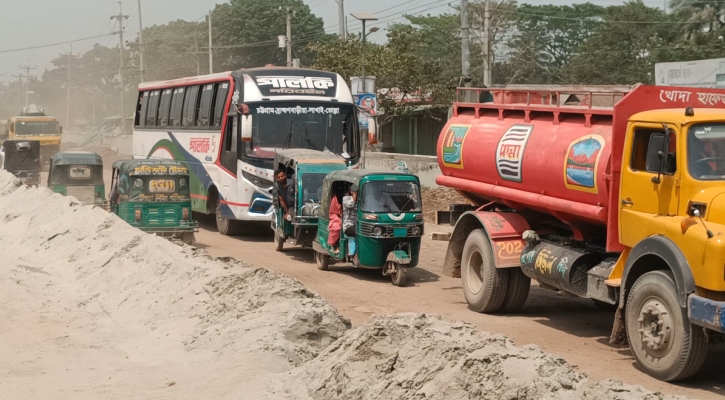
column 20, row 85
column 341, row 19
column 120, row 17
column 27, row 69
column 140, row 42
column 196, row 55
column 211, row 57
column 487, row 45
column 67, row 89
column 290, row 13
column 465, row 41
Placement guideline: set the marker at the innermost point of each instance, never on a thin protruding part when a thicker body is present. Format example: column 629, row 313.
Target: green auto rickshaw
column 389, row 223
column 305, row 170
column 78, row 174
column 154, row 196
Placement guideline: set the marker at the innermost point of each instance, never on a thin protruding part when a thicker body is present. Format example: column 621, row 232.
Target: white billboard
column 702, row 73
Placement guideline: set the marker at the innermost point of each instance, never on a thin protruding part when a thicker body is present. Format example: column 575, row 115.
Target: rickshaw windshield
column 159, row 188
column 387, row 196
column 312, row 186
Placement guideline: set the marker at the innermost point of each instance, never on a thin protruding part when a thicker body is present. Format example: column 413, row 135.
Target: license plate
column 400, row 232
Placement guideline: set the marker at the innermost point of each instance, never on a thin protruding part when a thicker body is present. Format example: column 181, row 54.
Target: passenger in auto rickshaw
column 286, row 192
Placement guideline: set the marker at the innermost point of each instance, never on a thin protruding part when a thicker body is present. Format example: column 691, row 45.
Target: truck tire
column 484, row 285
column 663, row 341
column 225, row 226
column 517, row 291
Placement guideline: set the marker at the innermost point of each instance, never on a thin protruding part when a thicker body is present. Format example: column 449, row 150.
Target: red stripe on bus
column 234, row 204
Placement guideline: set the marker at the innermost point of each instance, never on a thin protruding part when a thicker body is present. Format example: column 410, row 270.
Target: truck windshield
column 317, row 126
column 706, row 151
column 32, row 128
column 387, row 197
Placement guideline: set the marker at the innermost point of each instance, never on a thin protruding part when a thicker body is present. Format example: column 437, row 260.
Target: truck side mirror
column 659, row 159
column 247, row 128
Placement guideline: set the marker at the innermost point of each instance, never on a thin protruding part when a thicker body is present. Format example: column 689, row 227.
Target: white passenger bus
column 226, row 128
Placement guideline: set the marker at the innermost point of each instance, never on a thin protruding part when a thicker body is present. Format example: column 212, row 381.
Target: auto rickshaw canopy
column 150, row 167
column 22, row 155
column 76, row 168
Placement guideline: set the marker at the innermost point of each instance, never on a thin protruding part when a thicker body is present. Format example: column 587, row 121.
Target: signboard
column 369, row 103
column 288, row 82
column 702, row 73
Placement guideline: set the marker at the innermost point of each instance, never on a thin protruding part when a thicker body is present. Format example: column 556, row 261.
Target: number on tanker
column 509, row 249
column 162, row 186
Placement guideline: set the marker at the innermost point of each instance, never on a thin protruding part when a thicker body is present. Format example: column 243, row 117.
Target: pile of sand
column 418, row 356
column 93, row 308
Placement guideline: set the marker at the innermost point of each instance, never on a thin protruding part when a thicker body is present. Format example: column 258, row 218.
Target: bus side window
column 191, row 99
column 143, row 105
column 221, row 99
column 205, row 105
column 164, row 108
column 177, row 104
column 153, row 107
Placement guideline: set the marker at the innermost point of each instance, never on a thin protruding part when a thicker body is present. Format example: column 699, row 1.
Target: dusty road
column 571, row 328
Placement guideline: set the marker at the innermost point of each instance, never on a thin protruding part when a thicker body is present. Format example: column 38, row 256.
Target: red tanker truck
column 611, row 193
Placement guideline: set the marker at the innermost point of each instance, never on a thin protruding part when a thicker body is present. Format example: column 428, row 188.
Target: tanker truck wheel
column 664, row 342
column 484, row 285
column 517, row 291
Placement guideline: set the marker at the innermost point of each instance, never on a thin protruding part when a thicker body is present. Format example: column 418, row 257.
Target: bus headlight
column 257, row 181
column 377, row 231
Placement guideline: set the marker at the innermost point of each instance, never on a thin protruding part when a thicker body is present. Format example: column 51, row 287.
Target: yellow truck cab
column 34, row 124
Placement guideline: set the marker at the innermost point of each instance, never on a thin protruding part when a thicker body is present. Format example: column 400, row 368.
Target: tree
column 245, row 32
column 700, row 16
column 624, row 50
column 174, row 50
column 547, row 38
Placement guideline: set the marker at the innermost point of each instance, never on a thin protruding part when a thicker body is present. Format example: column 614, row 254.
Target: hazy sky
column 29, row 23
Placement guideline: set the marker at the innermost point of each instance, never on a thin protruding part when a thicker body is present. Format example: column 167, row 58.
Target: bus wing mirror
column 246, row 128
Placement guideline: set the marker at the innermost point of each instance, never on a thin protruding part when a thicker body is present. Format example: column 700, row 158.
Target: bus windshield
column 31, row 128
column 317, row 126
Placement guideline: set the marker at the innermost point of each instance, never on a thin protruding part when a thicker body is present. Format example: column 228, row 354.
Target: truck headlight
column 377, row 231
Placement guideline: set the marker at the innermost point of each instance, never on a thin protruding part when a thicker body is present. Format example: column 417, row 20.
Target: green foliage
column 250, row 28
column 547, row 38
column 624, row 49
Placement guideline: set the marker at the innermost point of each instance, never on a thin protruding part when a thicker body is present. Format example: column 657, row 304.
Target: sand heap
column 132, row 313
column 418, row 356
column 93, row 308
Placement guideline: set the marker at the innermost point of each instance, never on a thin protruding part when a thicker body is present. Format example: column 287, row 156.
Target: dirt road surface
column 569, row 327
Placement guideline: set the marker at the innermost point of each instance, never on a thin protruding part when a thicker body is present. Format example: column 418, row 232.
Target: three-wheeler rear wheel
column 323, row 261
column 399, row 274
column 664, row 343
column 488, row 289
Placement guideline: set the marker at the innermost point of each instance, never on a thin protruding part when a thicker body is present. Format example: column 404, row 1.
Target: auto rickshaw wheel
column 323, row 261
column 400, row 276
column 188, row 238
column 278, row 242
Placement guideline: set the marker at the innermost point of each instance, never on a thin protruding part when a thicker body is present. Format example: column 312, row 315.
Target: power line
column 54, row 44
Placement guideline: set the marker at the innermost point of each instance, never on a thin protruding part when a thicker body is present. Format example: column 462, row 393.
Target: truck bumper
column 707, row 313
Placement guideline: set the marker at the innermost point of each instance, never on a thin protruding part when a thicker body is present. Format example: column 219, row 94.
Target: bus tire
column 662, row 339
column 517, row 291
column 484, row 285
column 225, row 226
